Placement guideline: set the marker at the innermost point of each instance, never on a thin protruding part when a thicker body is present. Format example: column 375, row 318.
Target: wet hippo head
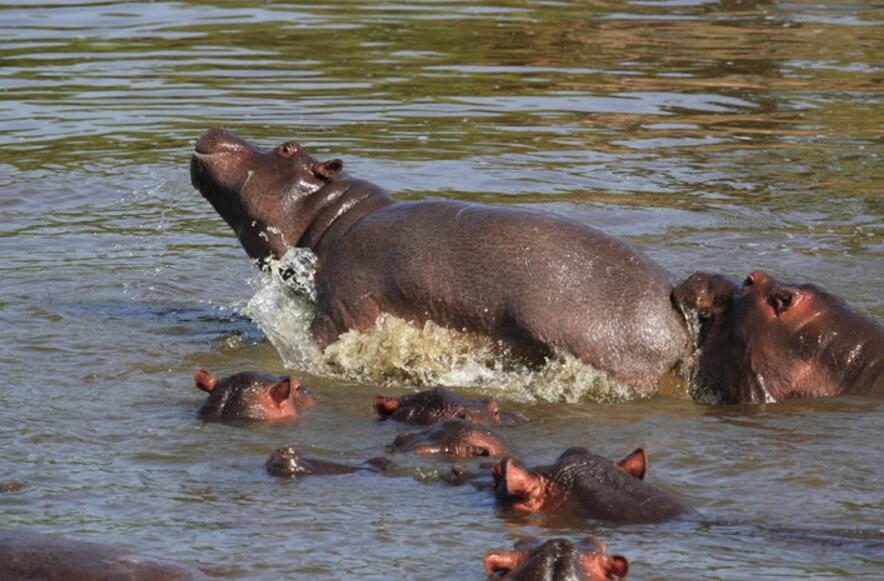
column 286, row 461
column 253, row 396
column 766, row 341
column 259, row 192
column 439, row 404
column 455, row 438
column 557, row 560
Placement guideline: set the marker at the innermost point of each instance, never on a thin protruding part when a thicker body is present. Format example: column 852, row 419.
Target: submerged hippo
column 453, row 437
column 557, row 560
column 27, row 556
column 540, row 283
column 584, row 484
column 249, row 395
column 439, row 404
column 286, row 461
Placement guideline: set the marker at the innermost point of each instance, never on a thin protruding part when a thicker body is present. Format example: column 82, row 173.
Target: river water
column 727, row 136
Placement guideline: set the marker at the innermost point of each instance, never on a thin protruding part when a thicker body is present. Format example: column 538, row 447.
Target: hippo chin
column 557, row 560
column 250, row 395
column 539, row 283
column 584, row 484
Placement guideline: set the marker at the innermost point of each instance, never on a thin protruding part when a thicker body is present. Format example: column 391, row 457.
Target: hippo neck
column 342, row 204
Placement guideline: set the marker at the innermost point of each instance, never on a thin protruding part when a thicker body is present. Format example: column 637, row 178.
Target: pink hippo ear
column 281, row 391
column 328, row 170
column 636, row 464
column 385, row 406
column 205, row 380
column 518, row 482
column 504, row 562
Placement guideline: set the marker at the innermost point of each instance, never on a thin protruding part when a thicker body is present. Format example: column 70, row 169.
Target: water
column 726, row 136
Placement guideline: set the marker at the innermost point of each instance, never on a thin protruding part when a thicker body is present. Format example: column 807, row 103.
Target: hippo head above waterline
column 766, row 340
column 259, row 193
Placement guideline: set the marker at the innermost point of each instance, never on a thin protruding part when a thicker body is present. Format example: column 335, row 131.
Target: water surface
column 727, row 136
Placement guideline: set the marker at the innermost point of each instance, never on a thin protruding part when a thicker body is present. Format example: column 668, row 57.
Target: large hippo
column 27, row 555
column 557, row 560
column 250, row 395
column 540, row 283
column 585, row 484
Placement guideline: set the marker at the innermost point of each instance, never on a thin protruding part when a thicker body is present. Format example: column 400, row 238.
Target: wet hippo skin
column 539, row 282
column 29, row 556
column 584, row 484
column 250, row 395
column 287, row 462
column 438, row 404
column 557, row 560
column 454, row 438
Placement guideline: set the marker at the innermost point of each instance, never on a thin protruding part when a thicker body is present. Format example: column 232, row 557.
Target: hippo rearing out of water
column 537, row 281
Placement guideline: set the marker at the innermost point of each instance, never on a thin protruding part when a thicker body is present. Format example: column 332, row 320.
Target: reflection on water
column 727, row 136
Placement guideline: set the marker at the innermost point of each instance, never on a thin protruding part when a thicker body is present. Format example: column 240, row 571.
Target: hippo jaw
column 260, row 193
column 766, row 341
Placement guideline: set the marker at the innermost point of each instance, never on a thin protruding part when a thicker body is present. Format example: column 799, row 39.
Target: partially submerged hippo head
column 287, row 462
column 766, row 341
column 252, row 396
column 557, row 560
column 586, row 484
column 454, row 437
column 256, row 190
column 439, row 404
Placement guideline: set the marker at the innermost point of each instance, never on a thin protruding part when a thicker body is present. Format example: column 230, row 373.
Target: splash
column 395, row 352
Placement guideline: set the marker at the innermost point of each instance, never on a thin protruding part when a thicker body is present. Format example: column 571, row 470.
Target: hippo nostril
column 781, row 300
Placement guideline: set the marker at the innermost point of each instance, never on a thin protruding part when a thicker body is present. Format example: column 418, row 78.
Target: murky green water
column 724, row 136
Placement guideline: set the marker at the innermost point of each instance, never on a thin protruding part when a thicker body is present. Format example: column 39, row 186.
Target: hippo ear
column 205, row 380
column 517, row 480
column 328, row 170
column 636, row 464
column 504, row 562
column 281, row 391
column 618, row 566
column 493, row 410
column 385, row 406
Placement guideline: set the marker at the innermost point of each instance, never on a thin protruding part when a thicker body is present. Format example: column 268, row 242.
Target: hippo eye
column 288, row 149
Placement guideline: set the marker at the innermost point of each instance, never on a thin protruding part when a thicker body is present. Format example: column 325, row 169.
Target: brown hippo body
column 538, row 282
column 557, row 560
column 584, row 484
column 26, row 556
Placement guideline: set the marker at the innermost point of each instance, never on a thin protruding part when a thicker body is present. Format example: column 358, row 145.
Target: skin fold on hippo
column 454, row 438
column 538, row 282
column 584, row 484
column 557, row 560
column 28, row 556
column 287, row 462
column 439, row 404
column 250, row 395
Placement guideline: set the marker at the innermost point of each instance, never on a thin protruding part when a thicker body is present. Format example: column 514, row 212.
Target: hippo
column 557, row 560
column 438, row 404
column 250, row 395
column 454, row 438
column 540, row 284
column 585, row 484
column 26, row 555
column 286, row 461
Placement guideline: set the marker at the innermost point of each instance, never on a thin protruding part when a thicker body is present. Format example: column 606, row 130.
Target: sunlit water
column 725, row 136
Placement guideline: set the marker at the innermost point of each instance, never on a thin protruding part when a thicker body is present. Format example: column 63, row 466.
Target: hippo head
column 455, row 438
column 253, row 396
column 439, row 404
column 260, row 193
column 544, row 489
column 557, row 559
column 766, row 341
column 286, row 461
